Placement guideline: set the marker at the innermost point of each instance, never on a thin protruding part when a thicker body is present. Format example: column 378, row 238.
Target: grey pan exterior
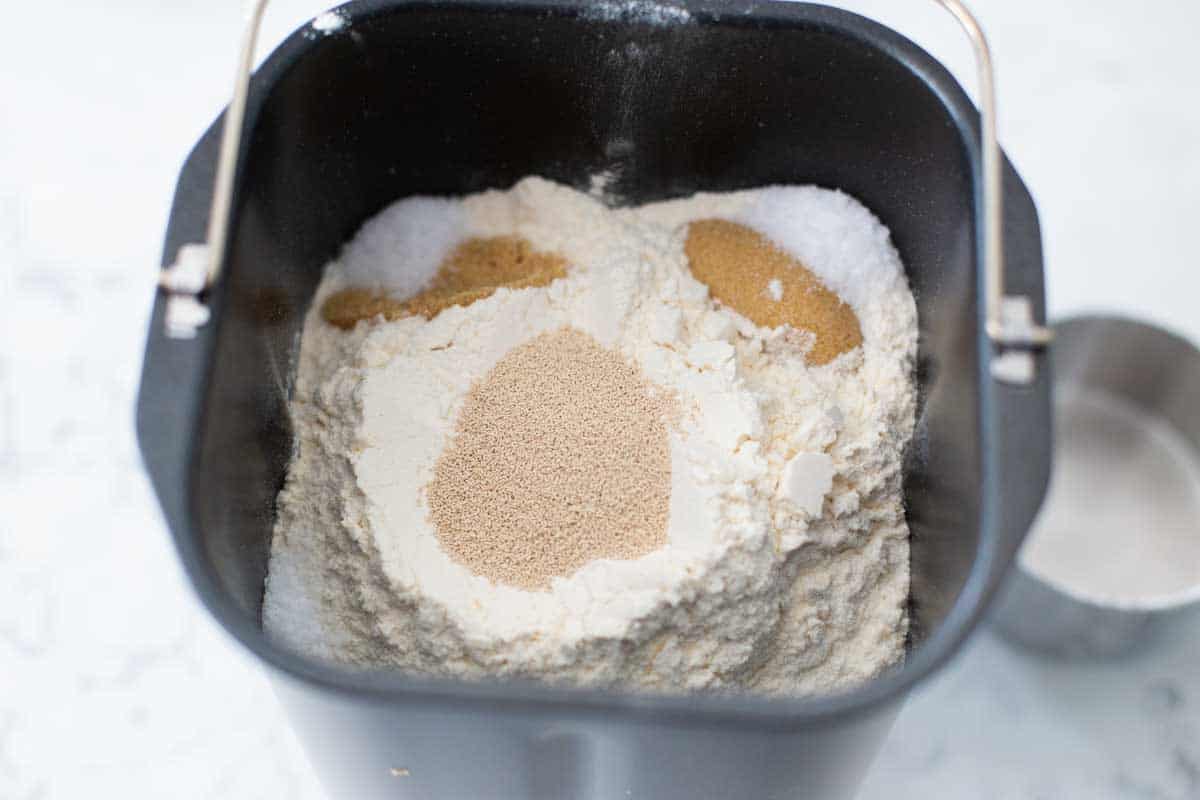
column 417, row 98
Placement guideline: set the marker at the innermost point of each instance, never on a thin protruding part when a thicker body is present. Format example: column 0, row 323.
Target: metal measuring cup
column 1158, row 374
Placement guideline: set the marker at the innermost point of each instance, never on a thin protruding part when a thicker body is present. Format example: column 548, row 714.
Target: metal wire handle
column 198, row 266
column 1009, row 322
column 1009, row 319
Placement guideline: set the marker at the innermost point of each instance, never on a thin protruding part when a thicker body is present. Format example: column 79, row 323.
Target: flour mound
column 782, row 563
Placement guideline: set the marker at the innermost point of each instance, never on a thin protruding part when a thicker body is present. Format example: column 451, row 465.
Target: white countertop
column 113, row 681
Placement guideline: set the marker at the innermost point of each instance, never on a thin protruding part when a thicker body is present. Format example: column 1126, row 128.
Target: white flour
column 1120, row 522
column 786, row 567
column 329, row 22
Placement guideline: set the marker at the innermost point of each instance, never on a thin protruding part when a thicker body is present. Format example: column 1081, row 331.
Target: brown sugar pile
column 560, row 457
column 475, row 270
column 744, row 270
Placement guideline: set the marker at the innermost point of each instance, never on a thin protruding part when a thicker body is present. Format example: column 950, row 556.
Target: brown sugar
column 744, row 270
column 473, row 271
column 560, row 456
column 346, row 308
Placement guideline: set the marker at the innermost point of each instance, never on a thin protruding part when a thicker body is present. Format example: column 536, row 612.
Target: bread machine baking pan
column 456, row 97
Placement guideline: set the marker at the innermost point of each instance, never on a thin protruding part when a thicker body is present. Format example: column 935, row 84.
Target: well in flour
column 560, row 457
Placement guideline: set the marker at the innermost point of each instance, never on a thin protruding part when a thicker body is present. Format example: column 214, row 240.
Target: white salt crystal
column 400, row 249
column 832, row 234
